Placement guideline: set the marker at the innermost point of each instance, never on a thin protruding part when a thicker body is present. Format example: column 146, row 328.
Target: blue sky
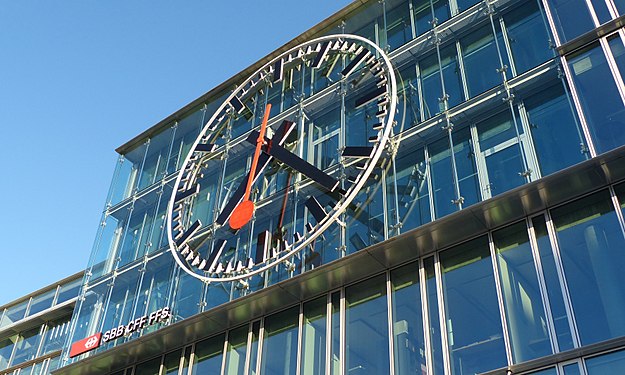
column 79, row 78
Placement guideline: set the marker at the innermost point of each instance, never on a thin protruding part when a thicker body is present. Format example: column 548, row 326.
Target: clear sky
column 78, row 78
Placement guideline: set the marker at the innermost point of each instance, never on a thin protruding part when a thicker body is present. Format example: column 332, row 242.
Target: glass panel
column 408, row 114
column 119, row 307
column 26, row 347
column 442, row 173
column 601, row 10
column 187, row 296
column 409, row 347
column 14, row 313
column 89, row 311
column 254, row 348
column 591, row 246
column 410, row 185
column 554, row 289
column 154, row 167
column 618, row 51
column 6, row 348
column 280, row 343
column 171, row 362
column 480, row 60
column 465, row 4
column 431, row 85
column 237, row 347
column 549, row 371
column 314, row 337
column 499, row 144
column 612, row 363
column 69, row 291
column 208, row 356
column 433, row 314
column 572, row 18
column 525, row 311
column 55, row 335
column 186, row 132
column 366, row 332
column 528, row 36
column 423, row 13
column 600, row 98
column 154, row 292
column 398, row 28
column 151, row 367
column 335, row 343
column 572, row 369
column 474, row 333
column 41, row 302
column 551, row 117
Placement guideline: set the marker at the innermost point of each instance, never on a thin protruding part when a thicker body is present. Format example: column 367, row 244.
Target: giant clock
column 277, row 164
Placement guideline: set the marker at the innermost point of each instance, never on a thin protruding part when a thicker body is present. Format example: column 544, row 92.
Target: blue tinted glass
column 465, row 4
column 528, row 36
column 612, row 363
column 121, row 302
column 208, row 356
column 171, row 362
column 475, row 336
column 365, row 217
column 237, row 347
column 551, row 116
column 592, row 248
column 572, row 18
column 481, row 61
column 6, row 348
column 620, row 5
column 41, row 302
column 549, row 371
column 314, row 336
column 280, row 343
column 408, row 339
column 55, row 335
column 431, row 85
column 26, row 347
column 601, row 10
column 408, row 99
column 554, row 289
column 69, row 290
column 335, row 341
column 366, row 332
column 600, row 98
column 188, row 295
column 433, row 315
column 525, row 311
column 398, row 28
column 155, row 165
column 618, row 51
column 572, row 369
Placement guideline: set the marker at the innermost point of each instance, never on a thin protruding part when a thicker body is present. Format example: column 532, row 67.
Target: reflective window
column 126, row 174
column 14, row 313
column 571, row 369
column 612, row 363
column 434, row 330
column 314, row 334
column 89, row 311
column 408, row 114
column 592, row 249
column 553, row 285
column 6, row 348
column 475, row 337
column 398, row 27
column 552, row 117
column 254, row 348
column 465, row 4
column 155, row 165
column 481, row 60
column 41, row 302
column 186, row 301
column 121, row 302
column 69, row 291
column 525, row 312
column 431, row 85
column 426, row 10
column 208, row 355
column 549, row 371
column 528, row 37
column 171, row 363
column 572, row 18
column 186, row 132
column 366, row 332
column 600, row 98
column 151, row 367
column 409, row 347
column 26, row 346
column 236, row 350
column 55, row 335
column 335, row 343
column 618, row 51
column 280, row 343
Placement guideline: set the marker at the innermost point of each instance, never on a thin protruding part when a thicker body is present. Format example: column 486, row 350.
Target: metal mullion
column 413, row 24
column 261, row 337
column 528, row 142
column 612, row 8
column 389, row 314
column 328, row 368
column 617, row 209
column 500, row 301
column 398, row 224
column 248, row 347
column 342, row 333
column 616, row 74
column 429, row 361
column 225, row 351
column 192, row 357
column 542, row 285
column 442, row 314
column 506, row 42
column 562, row 279
column 463, row 76
column 593, row 14
column 480, row 163
column 160, row 367
column 300, row 329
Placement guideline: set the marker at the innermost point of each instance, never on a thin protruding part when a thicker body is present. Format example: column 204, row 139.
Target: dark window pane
column 208, row 356
column 314, row 337
column 151, row 367
column 481, row 61
column 572, row 18
column 280, row 343
column 237, row 347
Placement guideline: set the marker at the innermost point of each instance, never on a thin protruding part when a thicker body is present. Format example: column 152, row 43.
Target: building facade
column 489, row 237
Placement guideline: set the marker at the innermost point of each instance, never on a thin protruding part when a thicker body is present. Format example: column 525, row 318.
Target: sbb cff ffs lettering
column 157, row 316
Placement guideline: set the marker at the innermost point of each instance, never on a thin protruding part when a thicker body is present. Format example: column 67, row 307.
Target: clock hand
column 242, row 214
column 279, row 138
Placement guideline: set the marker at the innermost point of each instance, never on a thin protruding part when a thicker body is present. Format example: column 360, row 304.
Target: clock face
column 281, row 160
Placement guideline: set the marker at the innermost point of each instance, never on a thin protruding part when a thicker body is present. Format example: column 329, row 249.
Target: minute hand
column 299, row 164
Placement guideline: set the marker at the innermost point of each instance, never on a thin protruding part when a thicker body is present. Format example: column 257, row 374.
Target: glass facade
column 492, row 96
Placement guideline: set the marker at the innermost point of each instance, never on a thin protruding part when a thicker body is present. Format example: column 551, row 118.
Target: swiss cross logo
column 85, row 345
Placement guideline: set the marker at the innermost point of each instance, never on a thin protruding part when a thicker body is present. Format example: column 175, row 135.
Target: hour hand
column 287, row 157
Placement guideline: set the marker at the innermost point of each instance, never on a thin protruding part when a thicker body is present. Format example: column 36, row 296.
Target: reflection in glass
column 592, row 249
column 572, row 18
column 612, row 363
column 254, row 348
column 55, row 335
column 207, row 356
column 409, row 347
column 280, row 343
column 431, row 85
column 434, row 330
column 552, row 283
column 525, row 313
column 481, row 60
column 6, row 348
column 150, row 367
column 549, row 371
column 236, row 351
column 335, row 343
column 41, row 302
column 314, row 337
column 26, row 346
column 69, row 291
column 475, row 337
column 171, row 362
column 366, row 332
column 572, row 369
column 600, row 98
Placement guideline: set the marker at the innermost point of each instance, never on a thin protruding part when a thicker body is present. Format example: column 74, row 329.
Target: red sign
column 85, row 345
